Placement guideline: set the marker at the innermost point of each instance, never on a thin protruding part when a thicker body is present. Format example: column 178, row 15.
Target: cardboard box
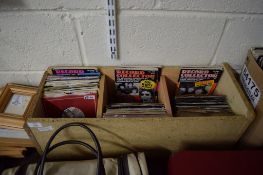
column 161, row 134
column 252, row 80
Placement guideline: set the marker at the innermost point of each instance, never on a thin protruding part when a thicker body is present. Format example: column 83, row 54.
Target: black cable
column 61, row 128
column 74, row 142
column 100, row 167
column 67, row 142
column 138, row 161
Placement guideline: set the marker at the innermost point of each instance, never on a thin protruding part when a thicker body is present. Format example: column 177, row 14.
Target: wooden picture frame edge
column 13, row 120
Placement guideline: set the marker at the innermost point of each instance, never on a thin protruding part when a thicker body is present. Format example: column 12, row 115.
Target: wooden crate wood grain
column 121, row 135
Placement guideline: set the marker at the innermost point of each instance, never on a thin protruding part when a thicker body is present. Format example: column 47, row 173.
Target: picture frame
column 15, row 104
column 1, row 89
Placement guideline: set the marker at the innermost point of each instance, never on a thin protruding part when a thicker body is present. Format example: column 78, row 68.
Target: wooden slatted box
column 120, row 135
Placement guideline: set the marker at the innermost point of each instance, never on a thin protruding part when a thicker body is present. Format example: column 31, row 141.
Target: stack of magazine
column 71, row 92
column 136, row 93
column 135, row 110
column 199, row 80
column 137, row 84
column 213, row 105
column 195, row 88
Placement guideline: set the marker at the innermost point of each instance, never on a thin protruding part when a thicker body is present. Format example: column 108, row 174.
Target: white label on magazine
column 34, row 124
column 250, row 86
column 46, row 128
column 89, row 97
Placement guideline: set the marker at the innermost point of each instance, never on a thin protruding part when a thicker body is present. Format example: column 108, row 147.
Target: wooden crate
column 120, row 135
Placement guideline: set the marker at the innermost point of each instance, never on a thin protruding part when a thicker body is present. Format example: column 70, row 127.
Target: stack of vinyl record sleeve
column 213, row 105
column 71, row 92
column 135, row 110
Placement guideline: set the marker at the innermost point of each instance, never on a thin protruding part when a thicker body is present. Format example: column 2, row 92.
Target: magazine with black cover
column 198, row 80
column 137, row 84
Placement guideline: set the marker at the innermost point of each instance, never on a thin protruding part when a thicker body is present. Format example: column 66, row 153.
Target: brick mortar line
column 137, row 12
column 191, row 13
column 20, row 71
column 213, row 59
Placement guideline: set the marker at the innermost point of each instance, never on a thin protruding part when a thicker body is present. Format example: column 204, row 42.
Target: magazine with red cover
column 64, row 71
column 71, row 105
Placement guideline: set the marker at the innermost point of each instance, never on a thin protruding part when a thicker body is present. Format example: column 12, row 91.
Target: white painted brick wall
column 21, row 77
column 143, row 40
column 34, row 41
column 246, row 6
column 35, row 34
column 240, row 34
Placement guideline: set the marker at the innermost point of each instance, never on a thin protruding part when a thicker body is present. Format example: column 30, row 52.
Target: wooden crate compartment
column 109, row 91
column 227, row 86
column 106, row 93
column 119, row 135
